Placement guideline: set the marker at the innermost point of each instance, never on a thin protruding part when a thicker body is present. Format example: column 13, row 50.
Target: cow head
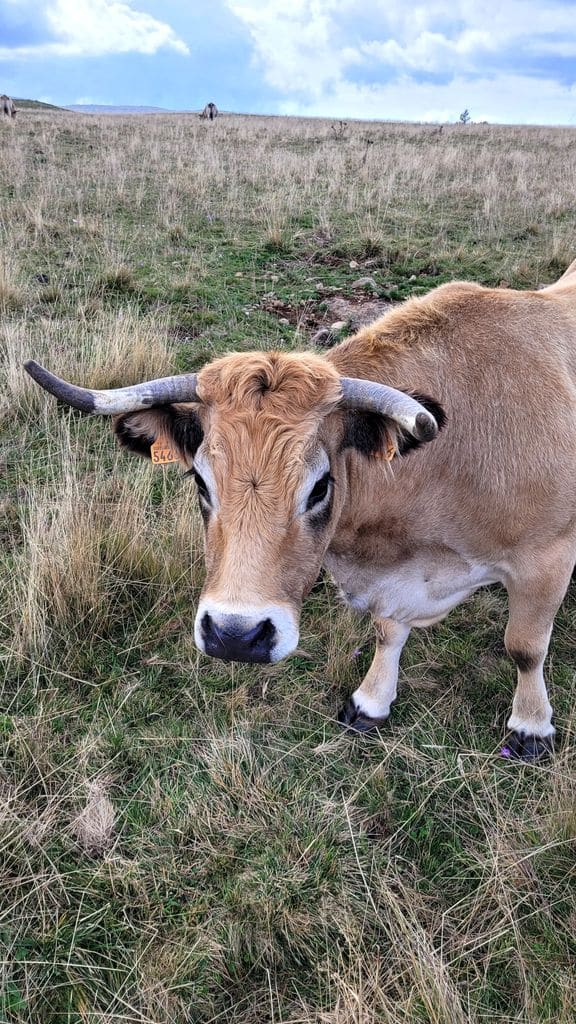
column 264, row 436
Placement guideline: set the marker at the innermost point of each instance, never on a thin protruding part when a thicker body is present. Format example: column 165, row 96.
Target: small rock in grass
column 365, row 282
column 323, row 337
column 327, row 336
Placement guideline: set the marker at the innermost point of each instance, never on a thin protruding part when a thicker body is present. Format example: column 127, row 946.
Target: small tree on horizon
column 464, row 117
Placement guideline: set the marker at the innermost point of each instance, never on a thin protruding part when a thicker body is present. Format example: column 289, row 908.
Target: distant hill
column 33, row 105
column 100, row 108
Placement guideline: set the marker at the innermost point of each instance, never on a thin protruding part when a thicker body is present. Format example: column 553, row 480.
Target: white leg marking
column 531, row 709
column 378, row 688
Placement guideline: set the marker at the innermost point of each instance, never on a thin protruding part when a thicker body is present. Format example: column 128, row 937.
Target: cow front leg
column 369, row 705
column 531, row 615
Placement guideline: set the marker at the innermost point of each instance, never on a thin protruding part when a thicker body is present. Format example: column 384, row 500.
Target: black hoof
column 352, row 718
column 523, row 747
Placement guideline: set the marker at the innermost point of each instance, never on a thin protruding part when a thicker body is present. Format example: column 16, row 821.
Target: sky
column 507, row 61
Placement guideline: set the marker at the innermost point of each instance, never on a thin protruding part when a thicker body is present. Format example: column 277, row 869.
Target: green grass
column 185, row 840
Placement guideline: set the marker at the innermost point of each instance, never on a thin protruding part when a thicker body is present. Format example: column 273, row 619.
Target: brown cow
column 302, row 459
column 8, row 107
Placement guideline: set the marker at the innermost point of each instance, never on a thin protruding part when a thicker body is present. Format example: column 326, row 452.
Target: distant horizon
column 144, row 108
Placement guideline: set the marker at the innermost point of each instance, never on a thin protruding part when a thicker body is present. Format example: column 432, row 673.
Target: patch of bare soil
column 184, row 333
column 358, row 310
column 328, row 320
column 303, row 314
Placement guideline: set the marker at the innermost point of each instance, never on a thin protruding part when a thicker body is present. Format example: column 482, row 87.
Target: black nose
column 230, row 641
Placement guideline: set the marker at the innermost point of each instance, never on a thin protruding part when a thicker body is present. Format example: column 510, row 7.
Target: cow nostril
column 262, row 634
column 266, row 633
column 207, row 626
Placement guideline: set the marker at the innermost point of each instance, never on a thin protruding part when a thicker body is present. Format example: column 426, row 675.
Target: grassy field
column 188, row 841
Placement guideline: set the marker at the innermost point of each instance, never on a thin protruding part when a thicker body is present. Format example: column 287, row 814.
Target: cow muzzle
column 233, row 642
column 256, row 635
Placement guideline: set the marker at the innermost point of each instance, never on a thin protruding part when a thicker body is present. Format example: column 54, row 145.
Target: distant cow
column 301, row 459
column 210, row 112
column 8, row 107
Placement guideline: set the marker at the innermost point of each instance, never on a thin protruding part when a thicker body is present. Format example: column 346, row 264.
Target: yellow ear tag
column 389, row 452
column 161, row 452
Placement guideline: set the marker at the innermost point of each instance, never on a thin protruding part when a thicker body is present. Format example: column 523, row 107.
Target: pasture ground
column 186, row 841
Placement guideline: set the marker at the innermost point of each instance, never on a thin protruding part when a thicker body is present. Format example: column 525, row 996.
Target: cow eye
column 319, row 491
column 202, row 488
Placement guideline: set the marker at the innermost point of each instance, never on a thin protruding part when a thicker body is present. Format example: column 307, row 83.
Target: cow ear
column 174, row 428
column 378, row 436
column 368, row 433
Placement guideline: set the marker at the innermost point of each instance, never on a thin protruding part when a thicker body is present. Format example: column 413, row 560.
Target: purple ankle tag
column 505, row 752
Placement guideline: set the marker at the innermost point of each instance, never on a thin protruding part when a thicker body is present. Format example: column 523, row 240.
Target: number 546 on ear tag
column 161, row 453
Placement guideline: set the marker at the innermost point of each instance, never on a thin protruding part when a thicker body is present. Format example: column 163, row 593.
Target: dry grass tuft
column 111, row 349
column 12, row 295
column 93, row 828
column 120, row 280
column 92, row 552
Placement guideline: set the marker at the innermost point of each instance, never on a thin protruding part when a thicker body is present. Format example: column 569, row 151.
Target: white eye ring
column 203, row 492
column 205, row 482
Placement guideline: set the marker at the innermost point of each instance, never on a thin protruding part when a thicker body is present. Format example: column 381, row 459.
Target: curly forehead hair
column 272, row 382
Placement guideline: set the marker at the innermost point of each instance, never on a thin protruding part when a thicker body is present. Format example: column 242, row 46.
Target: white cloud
column 347, row 58
column 91, row 28
column 505, row 99
column 431, row 51
column 292, row 42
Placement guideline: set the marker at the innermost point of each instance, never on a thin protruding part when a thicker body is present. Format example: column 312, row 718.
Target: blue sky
column 507, row 61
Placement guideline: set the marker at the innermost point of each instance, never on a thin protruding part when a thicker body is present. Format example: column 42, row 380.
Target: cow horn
column 117, row 400
column 410, row 414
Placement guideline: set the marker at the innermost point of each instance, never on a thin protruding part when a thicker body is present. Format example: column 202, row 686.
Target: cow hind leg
column 370, row 704
column 532, row 608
